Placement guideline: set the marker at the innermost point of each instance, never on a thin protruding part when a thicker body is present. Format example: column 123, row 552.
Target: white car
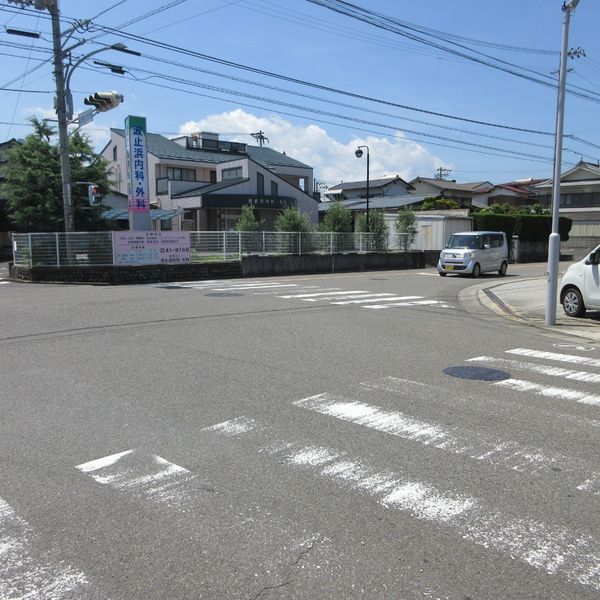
column 474, row 252
column 580, row 286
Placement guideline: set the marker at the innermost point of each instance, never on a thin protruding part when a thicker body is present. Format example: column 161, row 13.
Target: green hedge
column 529, row 228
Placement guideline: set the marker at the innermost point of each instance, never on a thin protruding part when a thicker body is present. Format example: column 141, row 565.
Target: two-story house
column 464, row 193
column 209, row 180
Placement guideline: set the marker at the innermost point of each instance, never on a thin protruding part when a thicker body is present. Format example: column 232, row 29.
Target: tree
column 33, row 186
column 439, row 204
column 247, row 221
column 338, row 218
column 377, row 226
column 406, row 227
column 291, row 219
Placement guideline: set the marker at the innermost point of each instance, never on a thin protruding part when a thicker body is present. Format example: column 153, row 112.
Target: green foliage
column 489, row 221
column 33, row 185
column 377, row 226
column 529, row 227
column 439, row 203
column 248, row 221
column 338, row 218
column 406, row 227
column 291, row 219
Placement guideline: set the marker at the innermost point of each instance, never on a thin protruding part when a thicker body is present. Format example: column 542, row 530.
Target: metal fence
column 96, row 248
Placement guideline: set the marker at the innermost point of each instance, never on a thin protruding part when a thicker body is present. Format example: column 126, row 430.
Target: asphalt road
column 293, row 437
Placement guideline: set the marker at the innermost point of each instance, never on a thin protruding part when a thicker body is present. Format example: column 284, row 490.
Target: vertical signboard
column 138, row 184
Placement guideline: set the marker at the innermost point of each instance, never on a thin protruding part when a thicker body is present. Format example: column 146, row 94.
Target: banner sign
column 151, row 247
column 138, row 188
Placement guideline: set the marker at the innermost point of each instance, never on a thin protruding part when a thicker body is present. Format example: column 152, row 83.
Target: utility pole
column 63, row 100
column 554, row 239
column 442, row 173
column 61, row 113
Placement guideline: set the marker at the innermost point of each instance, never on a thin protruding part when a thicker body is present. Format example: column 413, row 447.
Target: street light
column 359, row 154
column 554, row 239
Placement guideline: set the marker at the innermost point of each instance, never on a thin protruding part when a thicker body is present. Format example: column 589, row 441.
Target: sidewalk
column 524, row 300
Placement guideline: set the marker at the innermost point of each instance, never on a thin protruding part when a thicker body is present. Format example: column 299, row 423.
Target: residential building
column 517, row 193
column 466, row 194
column 580, row 201
column 209, row 180
column 354, row 190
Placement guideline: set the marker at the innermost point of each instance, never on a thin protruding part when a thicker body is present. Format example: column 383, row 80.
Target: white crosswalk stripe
column 27, row 572
column 541, row 389
column 145, row 475
column 554, row 549
column 311, row 293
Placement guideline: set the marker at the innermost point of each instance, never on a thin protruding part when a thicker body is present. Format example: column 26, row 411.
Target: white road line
column 568, row 358
column 145, row 474
column 314, row 295
column 553, row 549
column 549, row 391
column 373, row 297
column 364, row 297
column 541, row 369
column 26, row 576
column 477, row 446
column 414, row 303
column 258, row 286
column 4, row 282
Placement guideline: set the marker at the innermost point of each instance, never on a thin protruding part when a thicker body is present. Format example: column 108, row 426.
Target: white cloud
column 332, row 161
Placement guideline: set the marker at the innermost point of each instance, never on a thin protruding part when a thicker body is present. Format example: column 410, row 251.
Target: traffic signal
column 94, row 195
column 103, row 101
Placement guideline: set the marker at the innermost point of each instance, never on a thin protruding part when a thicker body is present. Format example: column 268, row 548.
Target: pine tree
column 33, row 186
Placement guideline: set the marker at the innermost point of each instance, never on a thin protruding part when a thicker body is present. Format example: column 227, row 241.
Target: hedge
column 530, row 228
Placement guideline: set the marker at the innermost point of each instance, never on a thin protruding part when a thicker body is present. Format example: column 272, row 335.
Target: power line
column 390, row 24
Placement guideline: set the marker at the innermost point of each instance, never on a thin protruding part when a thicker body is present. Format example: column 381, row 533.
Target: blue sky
column 179, row 91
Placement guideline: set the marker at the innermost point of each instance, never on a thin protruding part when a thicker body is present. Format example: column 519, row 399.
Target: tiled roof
column 163, row 147
column 442, row 184
column 359, row 185
column 377, row 203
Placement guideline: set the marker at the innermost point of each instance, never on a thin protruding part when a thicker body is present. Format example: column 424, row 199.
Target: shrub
column 377, row 226
column 406, row 227
column 439, row 203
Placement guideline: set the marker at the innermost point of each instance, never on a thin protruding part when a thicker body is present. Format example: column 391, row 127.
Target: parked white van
column 580, row 286
column 474, row 252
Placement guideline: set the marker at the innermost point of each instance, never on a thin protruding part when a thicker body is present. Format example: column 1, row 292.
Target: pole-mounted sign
column 138, row 189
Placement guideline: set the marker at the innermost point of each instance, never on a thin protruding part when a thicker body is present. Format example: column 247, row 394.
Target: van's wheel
column 502, row 269
column 476, row 271
column 442, row 274
column 572, row 303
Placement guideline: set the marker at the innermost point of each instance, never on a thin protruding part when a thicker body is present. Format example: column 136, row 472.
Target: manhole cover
column 222, row 294
column 481, row 373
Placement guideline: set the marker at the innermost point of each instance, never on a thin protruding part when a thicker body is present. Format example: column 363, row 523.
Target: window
column 274, row 189
column 260, row 184
column 233, row 173
column 115, row 154
column 181, row 174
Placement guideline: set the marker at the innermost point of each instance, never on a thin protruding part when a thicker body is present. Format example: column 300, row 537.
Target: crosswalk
column 314, row 294
column 384, row 407
column 26, row 571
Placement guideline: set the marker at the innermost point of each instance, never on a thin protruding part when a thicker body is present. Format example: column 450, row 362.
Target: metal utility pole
column 554, row 239
column 441, row 173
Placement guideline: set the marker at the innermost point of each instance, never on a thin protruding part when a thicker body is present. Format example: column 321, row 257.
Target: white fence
column 97, row 248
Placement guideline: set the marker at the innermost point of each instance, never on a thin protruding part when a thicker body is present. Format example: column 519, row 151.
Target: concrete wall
column 128, row 275
column 259, row 266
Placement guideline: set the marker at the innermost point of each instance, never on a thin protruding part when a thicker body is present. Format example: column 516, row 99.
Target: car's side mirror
column 592, row 259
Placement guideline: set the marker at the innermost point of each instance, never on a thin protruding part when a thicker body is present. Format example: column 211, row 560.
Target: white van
column 580, row 286
column 474, row 252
